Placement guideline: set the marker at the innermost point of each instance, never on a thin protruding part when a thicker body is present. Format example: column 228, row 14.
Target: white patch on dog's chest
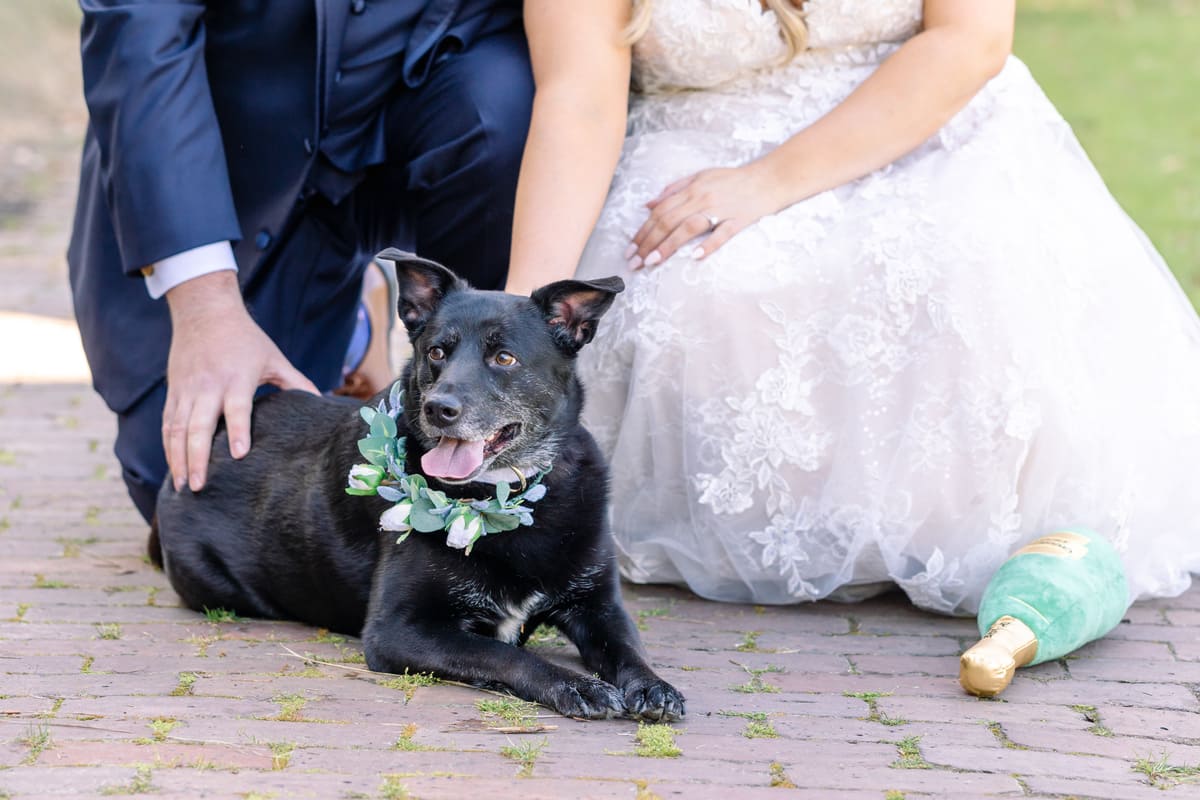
column 513, row 617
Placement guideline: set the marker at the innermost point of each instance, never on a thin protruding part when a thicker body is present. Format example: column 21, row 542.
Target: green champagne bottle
column 1050, row 597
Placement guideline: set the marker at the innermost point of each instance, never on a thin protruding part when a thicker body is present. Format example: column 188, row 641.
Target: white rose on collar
column 396, row 518
column 365, row 476
column 464, row 530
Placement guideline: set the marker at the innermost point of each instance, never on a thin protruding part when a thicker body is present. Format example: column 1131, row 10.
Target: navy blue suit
column 311, row 133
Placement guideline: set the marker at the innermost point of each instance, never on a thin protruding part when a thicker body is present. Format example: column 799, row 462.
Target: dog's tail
column 153, row 545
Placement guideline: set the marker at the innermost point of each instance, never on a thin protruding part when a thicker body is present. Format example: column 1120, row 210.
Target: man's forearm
column 213, row 293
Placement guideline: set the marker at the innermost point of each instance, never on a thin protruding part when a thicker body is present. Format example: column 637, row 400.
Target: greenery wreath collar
column 417, row 506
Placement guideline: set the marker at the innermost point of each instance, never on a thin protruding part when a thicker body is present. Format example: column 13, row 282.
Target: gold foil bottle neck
column 987, row 668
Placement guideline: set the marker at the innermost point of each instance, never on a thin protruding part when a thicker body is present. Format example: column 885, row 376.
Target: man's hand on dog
column 219, row 357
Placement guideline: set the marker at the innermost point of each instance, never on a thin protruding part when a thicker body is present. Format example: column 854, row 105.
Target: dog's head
column 491, row 383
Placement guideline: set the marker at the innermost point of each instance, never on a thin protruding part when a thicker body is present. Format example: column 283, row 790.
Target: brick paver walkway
column 108, row 687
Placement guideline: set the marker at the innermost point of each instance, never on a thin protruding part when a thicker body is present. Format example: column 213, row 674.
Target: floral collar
column 419, row 507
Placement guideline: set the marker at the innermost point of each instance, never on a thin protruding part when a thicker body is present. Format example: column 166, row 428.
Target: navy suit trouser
column 446, row 191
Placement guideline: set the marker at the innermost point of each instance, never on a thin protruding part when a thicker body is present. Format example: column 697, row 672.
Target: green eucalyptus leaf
column 496, row 523
column 367, row 413
column 438, row 498
column 422, row 517
column 375, row 450
column 383, row 427
column 390, row 425
column 502, row 490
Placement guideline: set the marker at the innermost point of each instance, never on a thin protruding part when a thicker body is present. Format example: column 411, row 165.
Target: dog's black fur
column 275, row 535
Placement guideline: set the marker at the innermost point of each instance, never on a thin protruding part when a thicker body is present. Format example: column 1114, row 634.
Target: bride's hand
column 713, row 203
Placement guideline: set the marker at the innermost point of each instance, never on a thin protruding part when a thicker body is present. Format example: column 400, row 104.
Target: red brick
column 1008, row 761
column 938, row 783
column 1187, row 651
column 39, row 781
column 1050, row 738
column 1153, row 633
column 1129, row 788
column 95, row 615
column 532, row 788
column 1143, row 614
column 1189, row 617
column 1084, row 692
column 1154, row 723
column 176, row 707
column 964, row 709
column 1123, row 648
column 625, row 767
column 164, row 754
column 897, row 664
column 1133, row 671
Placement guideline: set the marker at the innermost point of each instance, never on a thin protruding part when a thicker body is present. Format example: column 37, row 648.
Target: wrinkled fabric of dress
column 898, row 381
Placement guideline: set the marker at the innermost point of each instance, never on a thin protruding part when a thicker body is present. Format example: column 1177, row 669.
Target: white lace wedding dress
column 897, row 381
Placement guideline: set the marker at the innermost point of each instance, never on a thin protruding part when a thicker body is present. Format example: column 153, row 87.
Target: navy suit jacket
column 205, row 118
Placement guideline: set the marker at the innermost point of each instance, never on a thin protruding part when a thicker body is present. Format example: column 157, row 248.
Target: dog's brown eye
column 436, row 354
column 505, row 358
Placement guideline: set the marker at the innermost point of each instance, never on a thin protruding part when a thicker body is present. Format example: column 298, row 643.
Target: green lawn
column 1126, row 74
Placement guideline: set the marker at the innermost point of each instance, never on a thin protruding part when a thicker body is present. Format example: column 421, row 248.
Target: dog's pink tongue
column 453, row 458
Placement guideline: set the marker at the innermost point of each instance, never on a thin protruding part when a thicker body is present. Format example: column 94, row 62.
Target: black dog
column 490, row 390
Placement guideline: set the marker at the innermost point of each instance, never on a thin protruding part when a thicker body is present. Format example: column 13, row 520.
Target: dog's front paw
column 587, row 698
column 653, row 699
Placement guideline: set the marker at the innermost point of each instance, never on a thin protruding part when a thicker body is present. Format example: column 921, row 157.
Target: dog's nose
column 442, row 411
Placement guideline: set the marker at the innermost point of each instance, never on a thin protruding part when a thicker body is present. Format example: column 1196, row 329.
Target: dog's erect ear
column 422, row 285
column 572, row 308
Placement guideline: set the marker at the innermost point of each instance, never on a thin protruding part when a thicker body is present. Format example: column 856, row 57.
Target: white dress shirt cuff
column 162, row 276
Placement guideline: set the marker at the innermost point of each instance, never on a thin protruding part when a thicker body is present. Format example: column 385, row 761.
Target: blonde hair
column 791, row 19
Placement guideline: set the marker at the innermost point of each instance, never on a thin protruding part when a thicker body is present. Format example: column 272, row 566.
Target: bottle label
column 1063, row 544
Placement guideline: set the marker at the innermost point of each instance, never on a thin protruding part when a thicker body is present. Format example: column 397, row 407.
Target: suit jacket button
column 358, row 6
column 263, row 240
